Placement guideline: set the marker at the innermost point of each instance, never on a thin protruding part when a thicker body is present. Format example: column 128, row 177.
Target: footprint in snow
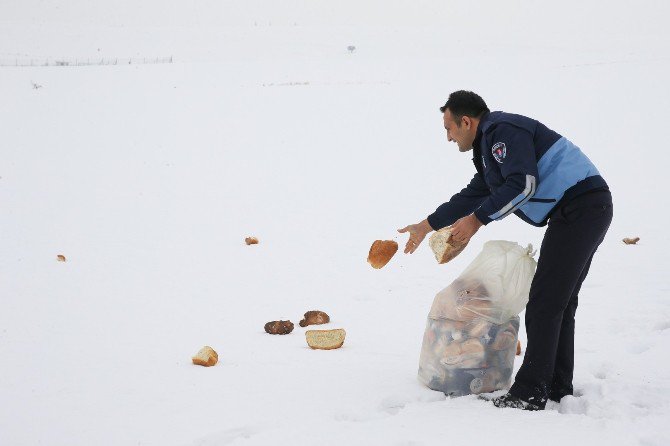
column 395, row 403
column 227, row 437
column 389, row 406
column 573, row 405
column 603, row 371
column 358, row 417
column 392, row 405
column 653, row 440
column 660, row 326
column 639, row 348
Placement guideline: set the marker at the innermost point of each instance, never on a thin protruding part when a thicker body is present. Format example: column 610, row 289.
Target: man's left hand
column 465, row 228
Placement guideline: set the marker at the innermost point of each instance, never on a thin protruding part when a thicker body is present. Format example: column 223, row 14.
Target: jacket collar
column 480, row 130
column 476, row 144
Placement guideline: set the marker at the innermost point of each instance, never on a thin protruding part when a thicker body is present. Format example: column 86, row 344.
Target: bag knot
column 529, row 250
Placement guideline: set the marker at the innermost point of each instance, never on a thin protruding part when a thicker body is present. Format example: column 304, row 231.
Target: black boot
column 557, row 395
column 509, row 400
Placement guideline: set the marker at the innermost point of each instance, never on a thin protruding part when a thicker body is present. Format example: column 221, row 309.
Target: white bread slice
column 325, row 339
column 206, row 357
column 444, row 248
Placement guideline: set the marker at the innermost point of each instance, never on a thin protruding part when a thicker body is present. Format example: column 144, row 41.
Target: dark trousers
column 575, row 231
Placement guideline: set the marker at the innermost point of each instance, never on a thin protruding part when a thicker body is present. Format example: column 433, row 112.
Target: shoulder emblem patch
column 499, row 151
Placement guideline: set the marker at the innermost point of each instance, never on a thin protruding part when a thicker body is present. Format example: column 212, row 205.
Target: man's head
column 462, row 113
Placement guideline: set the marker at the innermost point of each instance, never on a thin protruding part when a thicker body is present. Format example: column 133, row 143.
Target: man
column 527, row 169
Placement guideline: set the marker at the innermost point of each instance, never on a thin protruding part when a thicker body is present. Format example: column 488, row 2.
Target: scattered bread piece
column 452, row 354
column 472, row 346
column 279, row 327
column 503, row 341
column 314, row 318
column 444, row 248
column 478, row 328
column 381, row 252
column 325, row 339
column 61, row 258
column 518, row 348
column 631, row 241
column 206, row 357
column 251, row 241
column 472, row 353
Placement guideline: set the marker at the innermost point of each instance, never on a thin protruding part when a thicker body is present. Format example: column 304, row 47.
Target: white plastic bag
column 472, row 329
column 494, row 287
column 460, row 358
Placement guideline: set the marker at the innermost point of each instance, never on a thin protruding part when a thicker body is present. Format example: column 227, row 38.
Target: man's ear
column 467, row 121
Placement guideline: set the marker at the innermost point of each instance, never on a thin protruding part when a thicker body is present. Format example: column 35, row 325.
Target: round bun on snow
column 381, row 252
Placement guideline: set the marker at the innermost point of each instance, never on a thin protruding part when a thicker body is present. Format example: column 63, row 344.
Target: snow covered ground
column 148, row 178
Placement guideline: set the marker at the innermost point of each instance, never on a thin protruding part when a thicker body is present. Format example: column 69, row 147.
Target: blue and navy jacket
column 524, row 168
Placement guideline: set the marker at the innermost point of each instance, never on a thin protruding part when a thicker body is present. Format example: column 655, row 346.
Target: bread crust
column 504, row 340
column 444, row 247
column 251, row 241
column 325, row 339
column 279, row 327
column 206, row 357
column 381, row 252
column 314, row 317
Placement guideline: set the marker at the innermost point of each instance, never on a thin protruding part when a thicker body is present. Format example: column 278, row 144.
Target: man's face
column 463, row 135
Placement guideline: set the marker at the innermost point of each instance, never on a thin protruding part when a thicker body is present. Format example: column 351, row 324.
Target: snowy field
column 149, row 177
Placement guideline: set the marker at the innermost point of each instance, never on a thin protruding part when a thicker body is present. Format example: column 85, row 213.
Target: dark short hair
column 465, row 103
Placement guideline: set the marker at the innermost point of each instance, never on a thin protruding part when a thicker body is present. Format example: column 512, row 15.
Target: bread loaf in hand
column 444, row 247
column 381, row 252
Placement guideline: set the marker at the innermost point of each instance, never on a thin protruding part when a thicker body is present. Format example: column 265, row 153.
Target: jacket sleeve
column 518, row 167
column 461, row 204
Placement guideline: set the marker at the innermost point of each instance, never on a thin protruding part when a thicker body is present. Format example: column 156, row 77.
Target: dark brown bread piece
column 314, row 318
column 279, row 327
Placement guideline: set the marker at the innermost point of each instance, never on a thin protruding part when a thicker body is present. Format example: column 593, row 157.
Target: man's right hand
column 417, row 233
